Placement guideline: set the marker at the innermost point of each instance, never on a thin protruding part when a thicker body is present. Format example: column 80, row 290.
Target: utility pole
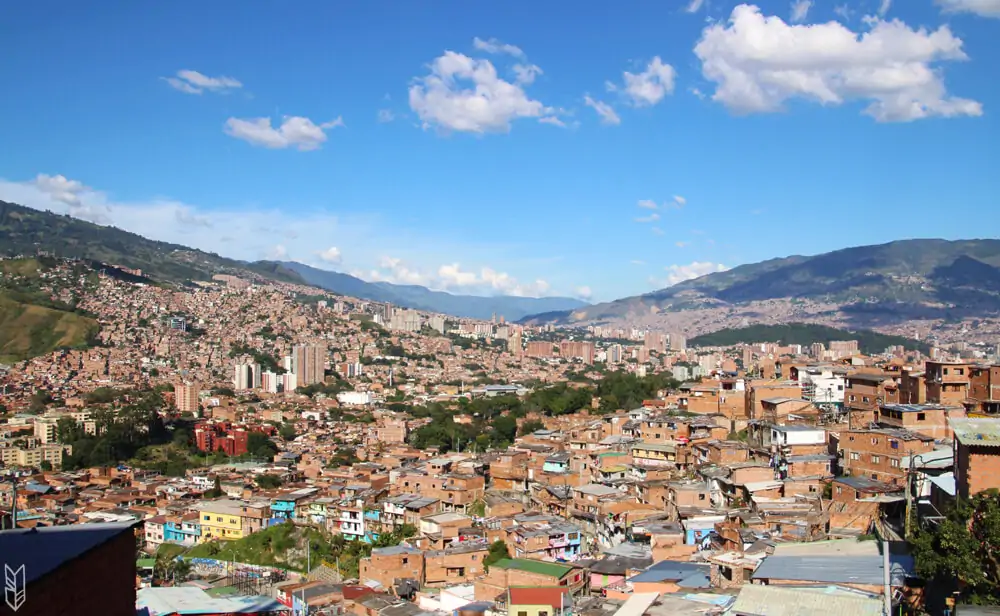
column 887, row 578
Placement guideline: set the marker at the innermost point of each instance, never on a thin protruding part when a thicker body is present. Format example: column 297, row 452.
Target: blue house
column 182, row 530
column 557, row 463
column 285, row 505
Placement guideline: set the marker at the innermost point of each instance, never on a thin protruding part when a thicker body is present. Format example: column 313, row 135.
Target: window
column 208, row 518
column 406, row 560
column 921, row 416
column 522, row 614
column 894, row 463
column 853, row 398
column 874, row 441
column 876, row 459
column 855, row 455
column 701, row 497
column 894, row 444
column 543, row 613
column 840, row 490
column 218, row 518
column 864, row 399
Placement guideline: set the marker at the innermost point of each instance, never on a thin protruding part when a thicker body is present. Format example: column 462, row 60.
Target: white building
column 821, row 385
column 356, row 398
column 246, row 376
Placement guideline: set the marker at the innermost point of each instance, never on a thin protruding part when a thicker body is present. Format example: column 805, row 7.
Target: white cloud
column 800, row 10
column 330, row 255
column 452, row 276
column 553, row 120
column 698, row 93
column 695, row 269
column 983, row 8
column 679, row 201
column 386, row 115
column 584, row 292
column 606, row 111
column 682, row 244
column 60, row 188
column 193, row 82
column 884, row 7
column 651, row 218
column 648, row 204
column 252, row 233
column 526, row 73
column 694, row 6
column 759, row 63
column 495, row 46
column 490, row 104
column 294, row 132
column 650, row 86
column 656, row 230
column 637, row 262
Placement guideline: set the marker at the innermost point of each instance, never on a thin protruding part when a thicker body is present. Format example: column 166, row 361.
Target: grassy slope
column 28, row 330
column 24, row 230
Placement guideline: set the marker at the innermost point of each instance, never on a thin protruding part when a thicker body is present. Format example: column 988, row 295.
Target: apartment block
column 878, row 453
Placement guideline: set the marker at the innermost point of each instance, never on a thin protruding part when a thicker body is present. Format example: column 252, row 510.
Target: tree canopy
column 965, row 546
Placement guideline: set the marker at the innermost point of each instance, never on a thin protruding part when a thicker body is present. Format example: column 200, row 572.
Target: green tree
column 46, row 465
column 965, row 546
column 530, row 426
column 498, row 551
column 216, row 490
column 287, row 432
column 260, row 446
column 269, row 482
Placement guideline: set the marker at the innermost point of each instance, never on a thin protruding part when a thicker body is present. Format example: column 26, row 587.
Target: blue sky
column 346, row 136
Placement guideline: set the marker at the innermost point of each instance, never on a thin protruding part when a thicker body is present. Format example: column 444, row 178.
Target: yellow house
column 220, row 519
column 538, row 601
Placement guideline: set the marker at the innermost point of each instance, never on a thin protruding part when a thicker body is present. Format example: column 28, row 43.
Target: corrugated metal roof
column 980, row 431
column 834, row 569
column 757, row 600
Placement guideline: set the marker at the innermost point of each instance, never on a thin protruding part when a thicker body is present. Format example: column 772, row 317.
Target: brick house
column 984, row 390
column 386, row 565
column 928, row 419
column 977, row 455
column 865, row 393
column 947, row 382
column 508, row 572
column 878, row 453
column 457, row 564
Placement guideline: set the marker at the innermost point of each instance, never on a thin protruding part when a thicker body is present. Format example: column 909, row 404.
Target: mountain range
column 510, row 307
column 24, row 231
column 865, row 286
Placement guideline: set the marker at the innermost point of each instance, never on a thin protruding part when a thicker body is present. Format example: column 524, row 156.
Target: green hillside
column 872, row 285
column 804, row 334
column 28, row 329
column 25, row 231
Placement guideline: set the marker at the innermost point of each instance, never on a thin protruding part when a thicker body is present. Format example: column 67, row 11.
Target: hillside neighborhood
column 272, row 448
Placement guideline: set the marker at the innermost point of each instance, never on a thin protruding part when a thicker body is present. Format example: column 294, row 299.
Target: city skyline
column 603, row 150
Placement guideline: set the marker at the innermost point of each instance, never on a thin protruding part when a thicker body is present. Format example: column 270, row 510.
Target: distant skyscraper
column 615, row 354
column 247, row 376
column 678, row 342
column 186, row 397
column 308, row 364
